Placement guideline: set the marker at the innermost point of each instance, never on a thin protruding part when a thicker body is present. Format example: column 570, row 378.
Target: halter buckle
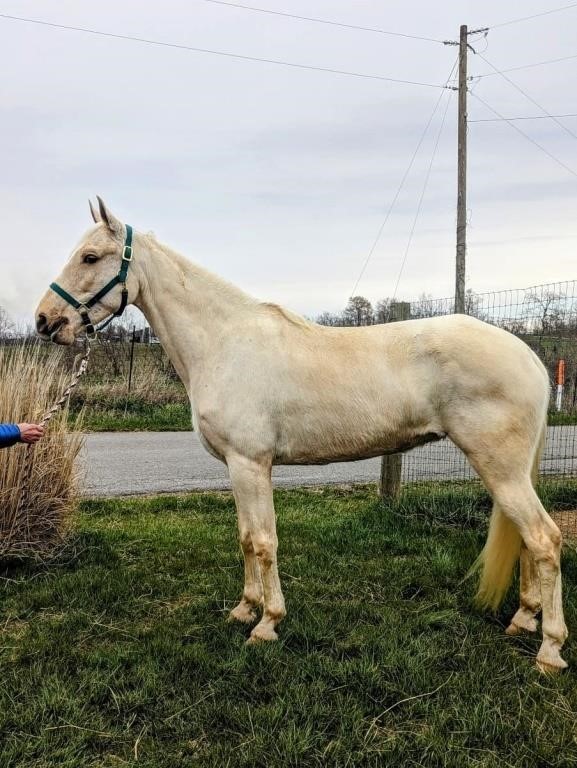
column 89, row 329
column 127, row 253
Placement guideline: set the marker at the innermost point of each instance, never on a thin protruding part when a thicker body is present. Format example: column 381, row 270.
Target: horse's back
column 318, row 394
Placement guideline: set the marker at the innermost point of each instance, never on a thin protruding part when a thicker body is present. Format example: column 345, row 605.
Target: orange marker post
column 560, row 384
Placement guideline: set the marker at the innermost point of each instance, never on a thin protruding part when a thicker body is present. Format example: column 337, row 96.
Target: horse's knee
column 246, row 542
column 265, row 549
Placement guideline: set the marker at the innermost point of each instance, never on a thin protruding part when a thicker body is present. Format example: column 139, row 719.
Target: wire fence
column 545, row 318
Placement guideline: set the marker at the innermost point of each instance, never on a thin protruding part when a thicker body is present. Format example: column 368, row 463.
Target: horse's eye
column 90, row 258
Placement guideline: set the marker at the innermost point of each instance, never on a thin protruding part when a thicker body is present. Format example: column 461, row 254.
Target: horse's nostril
column 44, row 327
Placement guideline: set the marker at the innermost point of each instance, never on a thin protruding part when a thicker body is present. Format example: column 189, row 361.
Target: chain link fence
column 545, row 318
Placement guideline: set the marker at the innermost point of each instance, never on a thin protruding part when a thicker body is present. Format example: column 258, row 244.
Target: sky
column 279, row 178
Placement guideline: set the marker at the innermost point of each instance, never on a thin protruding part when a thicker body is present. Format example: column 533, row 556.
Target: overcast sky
column 279, row 178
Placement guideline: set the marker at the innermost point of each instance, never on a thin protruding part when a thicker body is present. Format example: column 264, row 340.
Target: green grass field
column 110, row 408
column 119, row 654
column 134, row 416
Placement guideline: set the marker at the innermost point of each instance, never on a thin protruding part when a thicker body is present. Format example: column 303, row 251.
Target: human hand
column 30, row 433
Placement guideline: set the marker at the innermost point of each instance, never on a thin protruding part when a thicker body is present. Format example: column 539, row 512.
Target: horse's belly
column 326, row 445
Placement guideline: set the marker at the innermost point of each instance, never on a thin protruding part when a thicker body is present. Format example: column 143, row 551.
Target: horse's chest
column 208, row 446
column 209, row 438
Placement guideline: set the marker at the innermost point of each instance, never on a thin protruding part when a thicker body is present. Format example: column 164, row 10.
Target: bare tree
column 549, row 313
column 359, row 311
column 427, row 306
column 330, row 318
column 382, row 312
column 474, row 305
column 6, row 324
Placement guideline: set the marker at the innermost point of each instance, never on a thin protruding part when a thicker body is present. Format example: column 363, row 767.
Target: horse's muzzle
column 49, row 330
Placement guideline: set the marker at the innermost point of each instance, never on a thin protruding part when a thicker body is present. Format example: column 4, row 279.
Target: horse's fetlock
column 275, row 614
column 252, row 595
column 530, row 604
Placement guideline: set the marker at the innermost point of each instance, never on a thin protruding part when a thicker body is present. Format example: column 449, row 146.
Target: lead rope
column 29, row 460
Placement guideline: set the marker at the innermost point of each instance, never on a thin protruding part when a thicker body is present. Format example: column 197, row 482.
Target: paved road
column 123, row 463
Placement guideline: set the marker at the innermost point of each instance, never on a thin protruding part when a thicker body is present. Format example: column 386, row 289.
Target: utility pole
column 461, row 176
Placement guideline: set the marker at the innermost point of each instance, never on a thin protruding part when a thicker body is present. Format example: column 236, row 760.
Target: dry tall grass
column 31, row 379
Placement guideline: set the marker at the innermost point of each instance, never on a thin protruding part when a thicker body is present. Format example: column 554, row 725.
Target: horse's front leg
column 252, row 592
column 252, row 487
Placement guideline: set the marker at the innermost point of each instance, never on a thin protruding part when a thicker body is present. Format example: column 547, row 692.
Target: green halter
column 83, row 307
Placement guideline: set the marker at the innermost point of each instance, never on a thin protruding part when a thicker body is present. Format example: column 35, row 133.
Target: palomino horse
column 268, row 387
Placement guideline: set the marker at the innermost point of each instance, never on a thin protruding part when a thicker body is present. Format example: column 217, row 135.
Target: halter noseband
column 83, row 307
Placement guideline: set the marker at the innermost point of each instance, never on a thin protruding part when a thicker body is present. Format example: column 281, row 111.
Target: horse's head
column 77, row 301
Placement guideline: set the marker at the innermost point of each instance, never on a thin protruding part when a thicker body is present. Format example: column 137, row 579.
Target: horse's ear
column 113, row 224
column 94, row 213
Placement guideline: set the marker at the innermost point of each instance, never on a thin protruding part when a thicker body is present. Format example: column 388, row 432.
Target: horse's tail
column 501, row 551
column 539, row 452
column 497, row 560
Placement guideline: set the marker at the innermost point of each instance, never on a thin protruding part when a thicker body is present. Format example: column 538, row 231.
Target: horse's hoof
column 242, row 613
column 551, row 669
column 515, row 629
column 262, row 635
column 552, row 665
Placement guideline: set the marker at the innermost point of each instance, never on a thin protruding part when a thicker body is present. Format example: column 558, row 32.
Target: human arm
column 9, row 434
column 14, row 433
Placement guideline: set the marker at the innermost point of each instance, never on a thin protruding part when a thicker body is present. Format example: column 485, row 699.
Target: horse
column 267, row 386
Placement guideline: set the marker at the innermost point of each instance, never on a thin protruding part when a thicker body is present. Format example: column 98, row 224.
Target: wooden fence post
column 392, row 465
column 390, row 482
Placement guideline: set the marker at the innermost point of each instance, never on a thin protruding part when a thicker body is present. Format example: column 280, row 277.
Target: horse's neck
column 187, row 306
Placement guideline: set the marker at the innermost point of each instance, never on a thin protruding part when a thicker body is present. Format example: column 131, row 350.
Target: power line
column 534, row 16
column 523, row 117
column 527, row 66
column 181, row 47
column 420, row 203
column 527, row 96
column 322, row 21
column 399, row 188
column 525, row 135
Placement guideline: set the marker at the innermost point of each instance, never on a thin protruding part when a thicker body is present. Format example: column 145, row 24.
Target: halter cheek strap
column 120, row 278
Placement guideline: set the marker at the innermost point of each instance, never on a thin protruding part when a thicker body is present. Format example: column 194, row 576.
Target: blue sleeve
column 9, row 434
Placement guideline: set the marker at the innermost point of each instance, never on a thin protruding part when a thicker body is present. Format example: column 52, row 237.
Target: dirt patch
column 567, row 522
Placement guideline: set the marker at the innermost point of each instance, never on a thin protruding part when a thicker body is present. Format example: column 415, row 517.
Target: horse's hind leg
column 543, row 540
column 520, row 504
column 502, row 451
column 530, row 596
column 529, row 585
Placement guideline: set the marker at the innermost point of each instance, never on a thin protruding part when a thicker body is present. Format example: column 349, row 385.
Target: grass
column 121, row 655
column 154, row 404
column 134, row 415
column 561, row 419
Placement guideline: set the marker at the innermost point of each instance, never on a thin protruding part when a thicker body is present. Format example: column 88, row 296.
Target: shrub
column 31, row 379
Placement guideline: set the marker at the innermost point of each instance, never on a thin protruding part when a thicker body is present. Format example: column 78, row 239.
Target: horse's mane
column 183, row 264
column 292, row 317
